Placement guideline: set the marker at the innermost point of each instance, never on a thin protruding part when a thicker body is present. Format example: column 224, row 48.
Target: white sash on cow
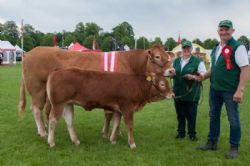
column 110, row 60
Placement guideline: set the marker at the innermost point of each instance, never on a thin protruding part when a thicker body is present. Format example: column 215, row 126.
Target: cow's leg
column 52, row 126
column 54, row 116
column 105, row 129
column 37, row 112
column 116, row 127
column 47, row 109
column 68, row 115
column 38, row 102
column 128, row 118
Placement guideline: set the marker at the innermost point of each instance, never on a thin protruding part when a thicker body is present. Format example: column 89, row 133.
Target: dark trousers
column 186, row 110
column 216, row 100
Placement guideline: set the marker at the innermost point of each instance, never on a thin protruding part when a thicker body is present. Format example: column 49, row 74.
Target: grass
column 155, row 130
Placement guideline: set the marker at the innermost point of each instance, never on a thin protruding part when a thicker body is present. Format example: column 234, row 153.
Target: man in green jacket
column 228, row 75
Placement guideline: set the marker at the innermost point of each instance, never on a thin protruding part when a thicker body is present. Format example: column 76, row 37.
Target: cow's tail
column 22, row 99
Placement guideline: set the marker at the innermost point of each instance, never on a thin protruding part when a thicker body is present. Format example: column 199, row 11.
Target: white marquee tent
column 7, row 52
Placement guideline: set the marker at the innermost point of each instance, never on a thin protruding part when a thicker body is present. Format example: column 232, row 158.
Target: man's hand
column 189, row 77
column 206, row 75
column 199, row 78
column 238, row 96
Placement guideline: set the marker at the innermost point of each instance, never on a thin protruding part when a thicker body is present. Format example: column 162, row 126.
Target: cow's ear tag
column 149, row 78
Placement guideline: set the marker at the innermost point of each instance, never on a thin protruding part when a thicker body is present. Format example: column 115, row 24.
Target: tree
column 28, row 43
column 127, row 41
column 1, row 32
column 244, row 40
column 79, row 32
column 157, row 40
column 37, row 36
column 210, row 43
column 10, row 32
column 197, row 41
column 92, row 29
column 47, row 39
column 1, row 28
column 28, row 29
column 88, row 42
column 170, row 44
column 69, row 38
column 123, row 30
column 107, row 44
column 142, row 43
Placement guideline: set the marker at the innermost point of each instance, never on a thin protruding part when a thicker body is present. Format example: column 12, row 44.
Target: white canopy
column 6, row 46
column 18, row 48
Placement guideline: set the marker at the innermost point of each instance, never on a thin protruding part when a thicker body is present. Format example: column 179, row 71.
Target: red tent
column 78, row 47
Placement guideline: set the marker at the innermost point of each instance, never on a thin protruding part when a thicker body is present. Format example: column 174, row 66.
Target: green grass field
column 155, row 130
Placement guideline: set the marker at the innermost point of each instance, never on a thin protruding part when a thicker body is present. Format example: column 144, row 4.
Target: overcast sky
column 150, row 18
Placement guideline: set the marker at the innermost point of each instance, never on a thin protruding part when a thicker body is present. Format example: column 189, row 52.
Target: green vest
column 221, row 78
column 181, row 87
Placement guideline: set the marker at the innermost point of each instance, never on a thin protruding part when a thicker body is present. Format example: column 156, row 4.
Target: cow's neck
column 146, row 90
column 137, row 60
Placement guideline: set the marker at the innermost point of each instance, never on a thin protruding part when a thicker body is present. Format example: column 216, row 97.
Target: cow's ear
column 150, row 53
column 171, row 54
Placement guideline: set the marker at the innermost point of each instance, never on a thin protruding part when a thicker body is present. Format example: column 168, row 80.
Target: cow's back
column 89, row 87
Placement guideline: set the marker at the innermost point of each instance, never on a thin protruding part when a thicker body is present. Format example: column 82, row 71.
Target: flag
column 54, row 40
column 94, row 44
column 179, row 39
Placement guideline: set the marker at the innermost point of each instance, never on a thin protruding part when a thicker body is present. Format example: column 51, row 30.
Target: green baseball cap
column 186, row 43
column 226, row 23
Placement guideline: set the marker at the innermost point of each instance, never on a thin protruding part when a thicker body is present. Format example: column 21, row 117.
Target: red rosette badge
column 226, row 52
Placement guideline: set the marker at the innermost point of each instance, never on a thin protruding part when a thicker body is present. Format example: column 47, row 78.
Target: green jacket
column 221, row 78
column 190, row 91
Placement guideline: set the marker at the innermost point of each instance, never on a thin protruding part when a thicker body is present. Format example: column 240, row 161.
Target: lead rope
column 189, row 90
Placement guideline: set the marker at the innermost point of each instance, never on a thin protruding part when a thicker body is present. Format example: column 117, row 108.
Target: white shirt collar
column 185, row 60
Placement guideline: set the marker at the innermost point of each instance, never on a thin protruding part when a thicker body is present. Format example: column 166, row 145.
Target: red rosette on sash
column 226, row 52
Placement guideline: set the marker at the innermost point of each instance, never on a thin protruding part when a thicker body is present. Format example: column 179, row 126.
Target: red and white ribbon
column 226, row 52
column 109, row 61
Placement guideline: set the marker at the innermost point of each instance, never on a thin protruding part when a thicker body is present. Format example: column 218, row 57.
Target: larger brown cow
column 124, row 93
column 41, row 61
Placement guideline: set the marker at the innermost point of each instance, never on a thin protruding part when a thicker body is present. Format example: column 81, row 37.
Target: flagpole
column 135, row 43
column 22, row 37
column 143, row 43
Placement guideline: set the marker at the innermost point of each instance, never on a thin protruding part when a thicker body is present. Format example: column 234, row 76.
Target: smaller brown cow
column 123, row 93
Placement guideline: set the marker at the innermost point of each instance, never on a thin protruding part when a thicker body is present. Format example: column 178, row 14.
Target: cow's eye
column 162, row 84
column 157, row 57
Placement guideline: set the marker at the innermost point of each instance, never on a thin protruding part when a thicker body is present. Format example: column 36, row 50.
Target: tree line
column 120, row 36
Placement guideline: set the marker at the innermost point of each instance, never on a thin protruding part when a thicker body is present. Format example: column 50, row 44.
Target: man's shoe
column 193, row 138
column 232, row 153
column 210, row 145
column 179, row 136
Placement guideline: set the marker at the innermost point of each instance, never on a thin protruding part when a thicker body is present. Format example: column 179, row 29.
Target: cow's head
column 160, row 87
column 159, row 61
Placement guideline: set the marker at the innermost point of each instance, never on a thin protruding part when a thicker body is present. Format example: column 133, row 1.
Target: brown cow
column 41, row 61
column 123, row 93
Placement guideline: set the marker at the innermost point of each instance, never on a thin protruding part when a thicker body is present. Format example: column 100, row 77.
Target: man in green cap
column 187, row 90
column 228, row 76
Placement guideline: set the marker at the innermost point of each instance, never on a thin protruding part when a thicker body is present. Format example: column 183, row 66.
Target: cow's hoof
column 132, row 146
column 105, row 136
column 43, row 135
column 76, row 142
column 51, row 145
column 113, row 142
